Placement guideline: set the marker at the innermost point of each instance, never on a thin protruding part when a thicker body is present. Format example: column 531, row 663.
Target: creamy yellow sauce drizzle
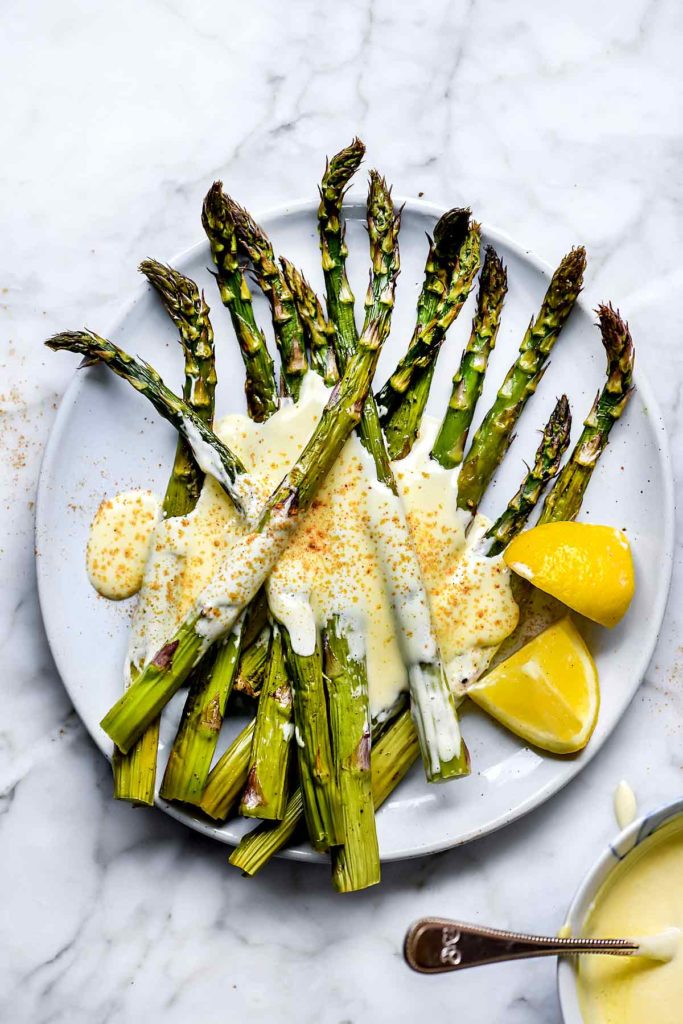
column 334, row 564
column 471, row 600
column 625, row 804
column 119, row 542
column 643, row 896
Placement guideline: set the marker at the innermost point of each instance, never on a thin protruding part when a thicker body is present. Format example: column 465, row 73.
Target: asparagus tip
column 493, row 284
column 214, row 195
column 562, row 415
column 450, row 230
column 71, row 341
column 616, row 337
column 340, row 168
column 569, row 275
column 213, row 208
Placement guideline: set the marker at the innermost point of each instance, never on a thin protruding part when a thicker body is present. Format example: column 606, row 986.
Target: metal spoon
column 433, row 945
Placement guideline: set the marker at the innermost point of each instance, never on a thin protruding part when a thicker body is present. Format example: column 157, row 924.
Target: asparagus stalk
column 219, row 606
column 189, row 761
column 266, row 791
column 253, row 664
column 228, row 776
column 188, row 310
column 340, row 298
column 331, row 229
column 347, row 687
column 319, row 331
column 392, row 755
column 546, row 465
column 468, row 382
column 444, row 753
column 565, row 499
column 212, row 456
column 260, row 385
column 412, row 378
column 494, row 435
column 322, row 806
column 253, row 242
column 442, row 258
column 257, row 847
column 135, row 772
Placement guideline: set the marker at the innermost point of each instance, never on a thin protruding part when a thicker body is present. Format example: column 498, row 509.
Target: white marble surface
column 559, row 123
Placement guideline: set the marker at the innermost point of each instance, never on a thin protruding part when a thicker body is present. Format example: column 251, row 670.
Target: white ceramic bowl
column 627, row 840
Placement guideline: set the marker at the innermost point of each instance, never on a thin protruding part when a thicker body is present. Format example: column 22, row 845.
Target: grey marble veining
column 558, row 123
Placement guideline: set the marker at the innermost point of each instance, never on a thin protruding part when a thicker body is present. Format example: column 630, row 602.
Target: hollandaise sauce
column 642, row 897
column 333, row 564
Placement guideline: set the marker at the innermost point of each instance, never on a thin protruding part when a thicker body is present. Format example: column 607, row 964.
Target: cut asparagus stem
column 392, row 755
column 565, row 499
column 253, row 242
column 260, row 384
column 253, row 664
column 444, row 754
column 319, row 331
column 135, row 772
column 260, row 845
column 468, row 381
column 347, row 687
column 412, row 378
column 266, row 791
column 546, row 465
column 228, row 776
column 314, row 750
column 212, row 456
column 190, row 758
column 253, row 557
column 494, row 435
column 395, row 752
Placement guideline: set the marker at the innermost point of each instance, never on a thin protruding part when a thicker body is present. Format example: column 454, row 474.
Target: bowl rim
column 620, row 847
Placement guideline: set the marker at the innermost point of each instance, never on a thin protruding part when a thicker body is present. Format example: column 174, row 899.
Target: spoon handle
column 434, row 945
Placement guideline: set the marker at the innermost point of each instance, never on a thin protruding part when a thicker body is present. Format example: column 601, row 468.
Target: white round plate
column 107, row 438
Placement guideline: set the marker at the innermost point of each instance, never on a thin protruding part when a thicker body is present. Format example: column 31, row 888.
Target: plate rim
column 355, row 199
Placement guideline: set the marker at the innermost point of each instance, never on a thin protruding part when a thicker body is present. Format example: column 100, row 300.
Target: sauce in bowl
column 642, row 895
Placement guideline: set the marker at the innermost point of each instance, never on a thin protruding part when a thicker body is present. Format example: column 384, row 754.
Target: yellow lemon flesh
column 587, row 567
column 547, row 692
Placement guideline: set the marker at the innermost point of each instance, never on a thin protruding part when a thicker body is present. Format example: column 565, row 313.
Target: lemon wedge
column 547, row 692
column 587, row 567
